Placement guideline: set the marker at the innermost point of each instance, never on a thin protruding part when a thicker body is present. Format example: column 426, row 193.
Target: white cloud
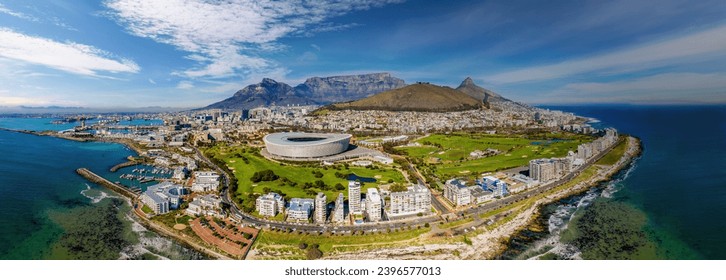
column 696, row 47
column 23, row 98
column 661, row 88
column 225, row 37
column 151, row 81
column 68, row 56
column 185, row 85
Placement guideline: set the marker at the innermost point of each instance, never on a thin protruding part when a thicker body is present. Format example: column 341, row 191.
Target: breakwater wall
column 90, row 176
column 122, row 165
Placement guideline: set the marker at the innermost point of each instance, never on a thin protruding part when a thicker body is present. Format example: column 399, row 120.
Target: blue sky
column 189, row 53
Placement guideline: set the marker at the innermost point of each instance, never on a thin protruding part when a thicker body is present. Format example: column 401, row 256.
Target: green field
column 617, row 152
column 447, row 156
column 296, row 175
column 338, row 242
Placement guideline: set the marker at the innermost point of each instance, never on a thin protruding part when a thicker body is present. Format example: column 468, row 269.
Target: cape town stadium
column 298, row 145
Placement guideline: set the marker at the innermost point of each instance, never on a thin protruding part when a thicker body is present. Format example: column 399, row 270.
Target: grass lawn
column 147, row 209
column 453, row 151
column 327, row 243
column 617, row 152
column 297, row 175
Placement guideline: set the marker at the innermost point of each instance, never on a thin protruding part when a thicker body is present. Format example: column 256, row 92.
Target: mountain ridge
column 314, row 91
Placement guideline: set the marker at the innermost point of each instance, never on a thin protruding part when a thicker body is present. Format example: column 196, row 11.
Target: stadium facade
column 298, row 145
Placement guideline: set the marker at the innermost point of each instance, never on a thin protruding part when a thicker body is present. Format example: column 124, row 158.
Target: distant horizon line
column 4, row 110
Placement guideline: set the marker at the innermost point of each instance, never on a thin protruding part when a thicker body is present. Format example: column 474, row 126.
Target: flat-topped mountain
column 347, row 88
column 417, row 97
column 266, row 93
column 315, row 90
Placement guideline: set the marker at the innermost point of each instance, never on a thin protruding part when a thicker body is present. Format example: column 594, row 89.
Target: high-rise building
column 354, row 197
column 416, row 199
column 373, row 205
column 270, row 204
column 338, row 215
column 320, row 208
column 457, row 192
column 544, row 169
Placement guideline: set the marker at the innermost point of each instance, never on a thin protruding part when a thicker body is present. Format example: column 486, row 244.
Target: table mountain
column 315, row 90
column 347, row 88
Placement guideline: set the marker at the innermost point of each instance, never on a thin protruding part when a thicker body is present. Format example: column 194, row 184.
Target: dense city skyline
column 191, row 53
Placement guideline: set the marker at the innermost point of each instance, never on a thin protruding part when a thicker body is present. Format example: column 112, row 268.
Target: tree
column 264, row 175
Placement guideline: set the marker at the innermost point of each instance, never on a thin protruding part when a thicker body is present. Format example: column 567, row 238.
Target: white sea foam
column 88, row 193
column 615, row 185
column 559, row 220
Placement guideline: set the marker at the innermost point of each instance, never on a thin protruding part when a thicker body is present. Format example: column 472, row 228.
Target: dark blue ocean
column 43, row 200
column 670, row 203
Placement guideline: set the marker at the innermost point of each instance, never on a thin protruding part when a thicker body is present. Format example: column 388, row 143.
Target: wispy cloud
column 66, row 56
column 661, row 88
column 690, row 48
column 229, row 35
column 16, row 14
column 185, row 85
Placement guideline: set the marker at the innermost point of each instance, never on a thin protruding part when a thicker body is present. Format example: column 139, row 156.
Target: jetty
column 122, row 165
column 90, row 176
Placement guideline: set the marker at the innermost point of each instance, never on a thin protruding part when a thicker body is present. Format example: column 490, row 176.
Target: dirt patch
column 180, row 227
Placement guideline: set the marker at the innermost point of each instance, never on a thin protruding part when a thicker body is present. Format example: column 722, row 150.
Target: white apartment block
column 205, row 205
column 320, row 208
column 338, row 215
column 416, row 199
column 373, row 205
column 205, row 181
column 354, row 197
column 457, row 192
column 300, row 208
column 270, row 204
